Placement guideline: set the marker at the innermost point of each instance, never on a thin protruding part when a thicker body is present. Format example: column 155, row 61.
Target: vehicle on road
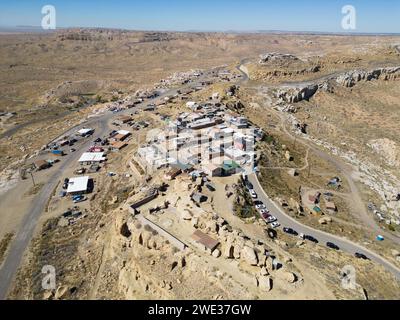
column 260, row 206
column 302, row 236
column 97, row 140
column 265, row 215
column 271, row 219
column 253, row 194
column 290, row 231
column 275, row 224
column 311, row 238
column 72, row 150
column 332, row 246
column 249, row 185
column 361, row 256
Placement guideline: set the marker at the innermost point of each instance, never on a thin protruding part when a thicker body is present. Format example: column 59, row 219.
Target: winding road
column 30, row 220
column 323, row 237
column 345, row 170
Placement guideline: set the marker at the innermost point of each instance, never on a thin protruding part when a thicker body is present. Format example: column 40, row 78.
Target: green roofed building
column 230, row 167
column 317, row 209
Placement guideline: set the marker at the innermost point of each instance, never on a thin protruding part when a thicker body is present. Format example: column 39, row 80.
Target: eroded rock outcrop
column 349, row 79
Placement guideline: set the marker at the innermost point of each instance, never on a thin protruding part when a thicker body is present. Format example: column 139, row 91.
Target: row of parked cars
column 261, row 207
column 312, row 239
column 273, row 221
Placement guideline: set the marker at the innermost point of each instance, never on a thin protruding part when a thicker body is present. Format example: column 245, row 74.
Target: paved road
column 321, row 236
column 29, row 222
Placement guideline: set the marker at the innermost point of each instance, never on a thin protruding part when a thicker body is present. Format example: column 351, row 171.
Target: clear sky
column 207, row 15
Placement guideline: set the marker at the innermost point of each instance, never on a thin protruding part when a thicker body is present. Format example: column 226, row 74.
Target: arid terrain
column 327, row 163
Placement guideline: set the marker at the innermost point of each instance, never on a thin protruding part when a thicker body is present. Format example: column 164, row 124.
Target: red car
column 266, row 215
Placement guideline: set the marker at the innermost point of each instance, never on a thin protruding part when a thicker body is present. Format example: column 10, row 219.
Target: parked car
column 302, row 236
column 72, row 150
column 271, row 219
column 265, row 215
column 332, row 246
column 275, row 224
column 261, row 206
column 290, row 231
column 249, row 185
column 210, row 187
column 253, row 194
column 361, row 256
column 79, row 199
column 311, row 238
column 97, row 140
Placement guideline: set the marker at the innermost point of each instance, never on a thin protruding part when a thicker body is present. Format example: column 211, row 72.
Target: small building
column 121, row 135
column 41, row 165
column 230, row 167
column 123, row 119
column 317, row 210
column 205, row 240
column 78, row 185
column 172, row 173
column 118, row 145
column 330, row 206
column 314, row 198
column 198, row 197
column 91, row 157
column 213, row 170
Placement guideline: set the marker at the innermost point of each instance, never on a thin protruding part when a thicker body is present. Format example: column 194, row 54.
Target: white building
column 91, row 157
column 78, row 185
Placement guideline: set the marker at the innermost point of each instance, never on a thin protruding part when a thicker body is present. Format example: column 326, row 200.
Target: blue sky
column 217, row 15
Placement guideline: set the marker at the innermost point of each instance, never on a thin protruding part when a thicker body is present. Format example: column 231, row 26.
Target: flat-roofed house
column 121, row 135
column 91, row 157
column 331, row 206
column 78, row 185
column 118, row 145
column 205, row 240
column 172, row 173
column 41, row 165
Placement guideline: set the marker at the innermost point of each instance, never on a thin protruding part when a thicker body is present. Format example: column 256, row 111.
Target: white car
column 261, row 207
column 264, row 211
column 253, row 194
column 275, row 224
column 301, row 236
column 271, row 219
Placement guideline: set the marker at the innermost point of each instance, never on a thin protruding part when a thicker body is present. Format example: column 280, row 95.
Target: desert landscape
column 317, row 195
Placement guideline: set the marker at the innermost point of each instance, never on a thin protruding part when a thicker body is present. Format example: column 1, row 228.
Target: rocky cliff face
column 276, row 56
column 293, row 95
column 349, row 79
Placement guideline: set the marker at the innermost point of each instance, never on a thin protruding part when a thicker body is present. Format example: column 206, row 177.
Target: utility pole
column 33, row 180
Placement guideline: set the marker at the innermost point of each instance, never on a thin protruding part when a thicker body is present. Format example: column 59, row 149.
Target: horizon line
column 254, row 31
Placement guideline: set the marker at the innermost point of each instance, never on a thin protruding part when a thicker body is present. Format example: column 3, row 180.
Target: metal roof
column 78, row 184
column 92, row 157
